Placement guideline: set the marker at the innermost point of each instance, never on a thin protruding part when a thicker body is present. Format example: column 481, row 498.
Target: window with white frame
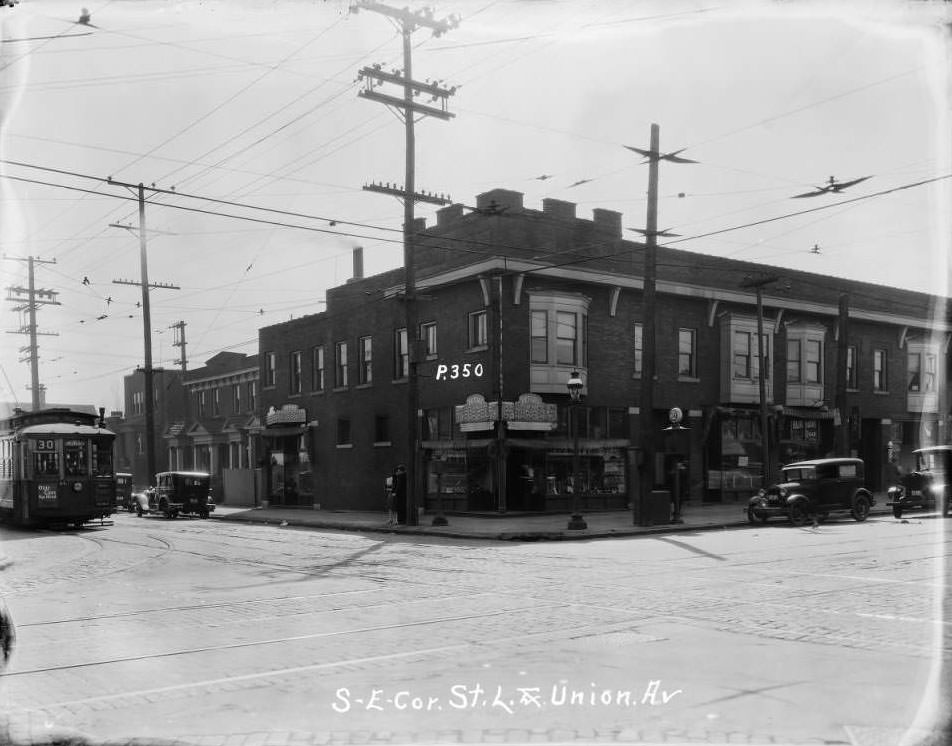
column 794, row 361
column 236, row 398
column 814, row 361
column 216, row 402
column 566, row 338
column 365, row 352
column 558, row 326
column 639, row 344
column 880, row 379
column 340, row 360
column 317, row 368
column 401, row 354
column 478, row 329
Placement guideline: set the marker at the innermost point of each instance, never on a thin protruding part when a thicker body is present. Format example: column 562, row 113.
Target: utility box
column 658, row 508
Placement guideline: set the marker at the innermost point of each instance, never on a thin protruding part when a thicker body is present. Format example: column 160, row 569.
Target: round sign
column 675, row 415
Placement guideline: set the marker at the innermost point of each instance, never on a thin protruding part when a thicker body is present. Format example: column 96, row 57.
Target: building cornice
column 681, row 289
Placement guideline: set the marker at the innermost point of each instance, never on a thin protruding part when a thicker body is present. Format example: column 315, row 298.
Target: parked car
column 178, row 493
column 814, row 488
column 926, row 488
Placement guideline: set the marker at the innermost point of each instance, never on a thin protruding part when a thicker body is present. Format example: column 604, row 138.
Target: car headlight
column 783, row 492
column 894, row 492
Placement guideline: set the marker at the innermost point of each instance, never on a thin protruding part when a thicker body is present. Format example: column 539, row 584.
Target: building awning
column 283, row 432
column 808, row 413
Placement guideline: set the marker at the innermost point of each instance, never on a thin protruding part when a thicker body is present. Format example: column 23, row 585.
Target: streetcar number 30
column 452, row 372
column 45, row 445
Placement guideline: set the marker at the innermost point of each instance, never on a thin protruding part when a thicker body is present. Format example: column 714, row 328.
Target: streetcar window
column 102, row 458
column 74, row 454
column 45, row 463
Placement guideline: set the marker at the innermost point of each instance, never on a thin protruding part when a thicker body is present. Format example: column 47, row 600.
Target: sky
column 256, row 104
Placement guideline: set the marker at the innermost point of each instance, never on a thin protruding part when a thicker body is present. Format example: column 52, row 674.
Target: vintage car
column 814, row 489
column 926, row 488
column 178, row 493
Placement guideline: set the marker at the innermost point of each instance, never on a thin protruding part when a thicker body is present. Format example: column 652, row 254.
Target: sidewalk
column 513, row 527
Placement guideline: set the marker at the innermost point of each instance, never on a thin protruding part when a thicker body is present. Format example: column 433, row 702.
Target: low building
column 514, row 300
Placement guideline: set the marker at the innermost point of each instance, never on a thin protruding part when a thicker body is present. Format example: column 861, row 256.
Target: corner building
column 513, row 300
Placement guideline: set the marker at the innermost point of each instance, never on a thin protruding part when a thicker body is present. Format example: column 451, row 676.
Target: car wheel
column 860, row 507
column 798, row 514
column 897, row 511
column 754, row 518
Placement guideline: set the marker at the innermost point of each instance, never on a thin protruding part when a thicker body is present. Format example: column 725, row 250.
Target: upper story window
column 478, row 329
column 851, row 372
column 365, row 352
column 202, row 403
column 747, row 355
column 558, row 324
column 687, row 353
column 340, row 371
column 252, row 395
column 639, row 344
column 236, row 398
column 566, row 338
column 428, row 335
column 880, row 379
column 924, row 370
column 294, row 373
column 814, row 361
column 539, row 336
column 269, row 369
column 216, row 401
column 401, row 354
column 805, row 344
column 317, row 368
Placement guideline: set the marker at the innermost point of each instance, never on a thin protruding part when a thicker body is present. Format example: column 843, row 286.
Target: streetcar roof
column 64, row 428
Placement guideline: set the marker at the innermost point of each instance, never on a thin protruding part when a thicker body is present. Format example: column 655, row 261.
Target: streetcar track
column 280, row 640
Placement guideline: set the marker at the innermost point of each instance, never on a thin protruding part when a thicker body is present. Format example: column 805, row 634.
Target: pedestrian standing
column 400, row 493
column 390, row 498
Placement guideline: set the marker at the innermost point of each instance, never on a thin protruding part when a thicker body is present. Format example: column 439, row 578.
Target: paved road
column 221, row 633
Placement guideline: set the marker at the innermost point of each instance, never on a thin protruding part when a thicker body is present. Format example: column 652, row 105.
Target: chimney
column 501, row 198
column 558, row 208
column 358, row 262
column 608, row 221
column 448, row 214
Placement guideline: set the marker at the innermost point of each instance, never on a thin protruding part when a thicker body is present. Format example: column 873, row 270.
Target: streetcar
column 56, row 467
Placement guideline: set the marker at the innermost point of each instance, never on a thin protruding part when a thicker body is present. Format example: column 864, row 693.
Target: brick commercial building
column 513, row 300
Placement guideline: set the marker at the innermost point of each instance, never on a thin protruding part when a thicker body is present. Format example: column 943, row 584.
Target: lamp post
column 576, row 522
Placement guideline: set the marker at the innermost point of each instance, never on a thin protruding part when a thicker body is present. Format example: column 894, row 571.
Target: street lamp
column 576, row 522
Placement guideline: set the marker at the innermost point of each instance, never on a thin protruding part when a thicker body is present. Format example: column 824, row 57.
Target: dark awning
column 283, row 432
column 808, row 413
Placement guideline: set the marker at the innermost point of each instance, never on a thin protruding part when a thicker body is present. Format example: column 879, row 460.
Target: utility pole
column 178, row 337
column 648, row 332
column 406, row 22
column 840, row 402
column 147, row 370
column 29, row 299
column 758, row 285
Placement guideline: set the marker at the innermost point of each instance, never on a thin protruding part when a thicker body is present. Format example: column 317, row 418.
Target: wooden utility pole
column 649, row 321
column 147, row 370
column 178, row 340
column 840, row 402
column 762, row 373
column 29, row 299
column 407, row 22
column 649, row 334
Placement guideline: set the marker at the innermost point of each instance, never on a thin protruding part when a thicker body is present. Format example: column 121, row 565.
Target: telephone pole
column 147, row 370
column 649, row 354
column 178, row 337
column 758, row 284
column 29, row 299
column 406, row 22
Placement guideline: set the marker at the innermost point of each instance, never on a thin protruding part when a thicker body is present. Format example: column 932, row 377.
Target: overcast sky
column 256, row 102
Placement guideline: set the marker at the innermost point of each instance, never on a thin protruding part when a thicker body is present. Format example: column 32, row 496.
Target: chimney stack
column 358, row 262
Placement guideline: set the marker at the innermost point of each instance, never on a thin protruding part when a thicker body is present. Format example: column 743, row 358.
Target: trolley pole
column 407, row 22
